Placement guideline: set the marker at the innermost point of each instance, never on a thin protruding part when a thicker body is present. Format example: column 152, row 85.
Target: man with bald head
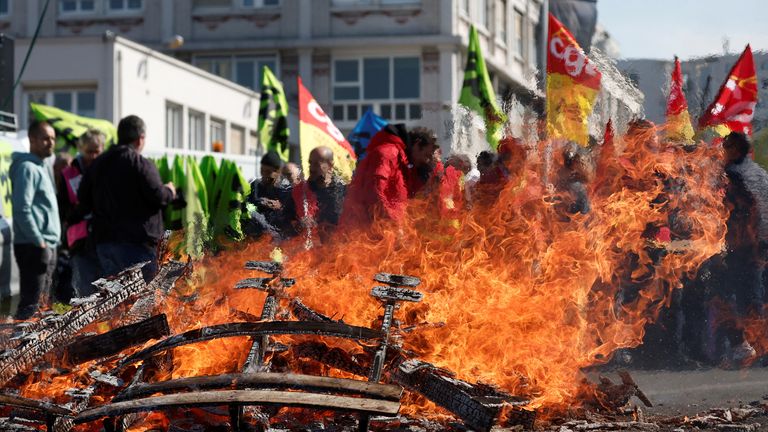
column 319, row 199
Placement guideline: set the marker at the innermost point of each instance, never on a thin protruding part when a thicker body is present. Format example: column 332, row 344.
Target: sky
column 662, row 29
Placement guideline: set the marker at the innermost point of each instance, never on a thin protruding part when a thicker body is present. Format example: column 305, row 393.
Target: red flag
column 572, row 85
column 735, row 104
column 678, row 120
column 317, row 129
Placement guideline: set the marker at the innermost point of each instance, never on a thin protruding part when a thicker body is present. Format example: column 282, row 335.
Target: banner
column 573, row 83
column 477, row 91
column 70, row 127
column 735, row 104
column 316, row 129
column 679, row 126
column 5, row 180
column 364, row 130
column 273, row 115
column 194, row 217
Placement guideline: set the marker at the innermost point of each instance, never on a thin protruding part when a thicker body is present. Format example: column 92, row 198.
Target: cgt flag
column 572, row 85
column 734, row 107
column 273, row 115
column 679, row 126
column 316, row 129
column 477, row 92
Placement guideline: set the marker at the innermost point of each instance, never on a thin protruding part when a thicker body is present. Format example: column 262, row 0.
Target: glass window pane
column 237, row 140
column 86, row 103
column 346, row 93
column 248, row 3
column 376, row 78
column 352, row 112
column 400, row 112
column 271, row 2
column 87, row 5
column 346, row 71
column 407, row 78
column 365, row 108
column 3, row 7
column 134, row 4
column 115, row 4
column 386, row 111
column 68, row 5
column 63, row 100
column 217, row 135
column 338, row 112
column 415, row 111
column 245, row 74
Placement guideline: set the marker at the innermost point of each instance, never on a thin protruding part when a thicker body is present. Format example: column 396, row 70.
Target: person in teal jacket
column 36, row 227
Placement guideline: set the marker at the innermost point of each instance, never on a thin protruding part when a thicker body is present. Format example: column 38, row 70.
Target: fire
column 519, row 293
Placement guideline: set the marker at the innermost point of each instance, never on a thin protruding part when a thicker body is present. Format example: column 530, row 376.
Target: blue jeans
column 116, row 257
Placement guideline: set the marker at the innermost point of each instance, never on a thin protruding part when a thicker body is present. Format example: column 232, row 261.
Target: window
column 482, row 13
column 519, row 43
column 217, row 135
column 253, row 144
column 4, row 7
column 80, row 102
column 74, row 6
column 211, row 3
column 391, row 86
column 501, row 20
column 532, row 59
column 196, row 131
column 464, row 6
column 245, row 71
column 236, row 140
column 173, row 126
column 260, row 3
column 125, row 5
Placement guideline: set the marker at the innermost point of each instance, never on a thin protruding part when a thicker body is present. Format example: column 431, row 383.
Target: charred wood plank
column 334, row 357
column 115, row 341
column 263, row 380
column 34, row 405
column 114, row 292
column 478, row 411
column 253, row 329
column 303, row 312
column 263, row 283
column 241, row 397
column 270, row 267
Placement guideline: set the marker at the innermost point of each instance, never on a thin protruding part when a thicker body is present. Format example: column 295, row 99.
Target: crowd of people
column 102, row 211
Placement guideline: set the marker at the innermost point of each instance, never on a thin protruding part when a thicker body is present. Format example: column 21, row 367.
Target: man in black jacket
column 123, row 191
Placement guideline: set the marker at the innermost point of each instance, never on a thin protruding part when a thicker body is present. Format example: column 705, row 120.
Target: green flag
column 5, row 180
column 477, row 92
column 173, row 217
column 273, row 115
column 209, row 169
column 70, row 127
column 163, row 169
column 194, row 217
column 231, row 191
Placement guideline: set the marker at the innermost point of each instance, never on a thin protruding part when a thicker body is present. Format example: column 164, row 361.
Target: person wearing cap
column 271, row 197
column 123, row 191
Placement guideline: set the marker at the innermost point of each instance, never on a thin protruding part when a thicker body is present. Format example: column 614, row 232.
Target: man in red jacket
column 379, row 187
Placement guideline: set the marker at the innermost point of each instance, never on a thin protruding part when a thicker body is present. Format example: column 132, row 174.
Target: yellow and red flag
column 316, row 129
column 679, row 126
column 573, row 83
column 734, row 107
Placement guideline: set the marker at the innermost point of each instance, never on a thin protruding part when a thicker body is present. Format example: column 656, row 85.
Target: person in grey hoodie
column 36, row 227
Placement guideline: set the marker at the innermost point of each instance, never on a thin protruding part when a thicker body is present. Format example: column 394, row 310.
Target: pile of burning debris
column 365, row 389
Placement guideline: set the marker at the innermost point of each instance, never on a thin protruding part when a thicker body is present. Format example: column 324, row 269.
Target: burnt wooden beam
column 113, row 292
column 241, row 397
column 334, row 357
column 478, row 409
column 263, row 380
column 114, row 341
column 303, row 312
column 253, row 329
column 35, row 405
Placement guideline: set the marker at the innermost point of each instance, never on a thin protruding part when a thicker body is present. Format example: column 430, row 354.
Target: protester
column 36, row 227
column 291, row 174
column 319, row 199
column 379, row 186
column 123, row 191
column 271, row 196
column 82, row 250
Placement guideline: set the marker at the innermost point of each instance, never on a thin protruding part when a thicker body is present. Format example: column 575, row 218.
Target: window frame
column 518, row 43
column 501, row 30
column 48, row 93
column 79, row 10
column 125, row 10
column 211, row 138
column 257, row 4
column 191, row 140
column 361, row 104
column 170, row 143
column 232, row 59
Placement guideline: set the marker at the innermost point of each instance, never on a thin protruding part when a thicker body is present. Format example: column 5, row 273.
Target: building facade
column 402, row 58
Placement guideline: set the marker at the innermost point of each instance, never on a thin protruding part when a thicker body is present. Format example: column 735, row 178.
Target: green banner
column 477, row 91
column 273, row 115
column 5, row 180
column 70, row 127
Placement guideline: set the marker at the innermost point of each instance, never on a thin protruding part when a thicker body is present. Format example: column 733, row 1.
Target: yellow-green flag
column 70, row 127
column 273, row 115
column 477, row 91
